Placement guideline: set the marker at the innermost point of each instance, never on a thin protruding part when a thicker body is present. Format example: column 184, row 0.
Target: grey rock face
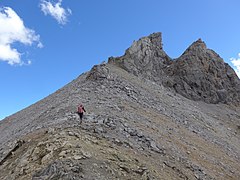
column 98, row 72
column 198, row 74
column 201, row 74
column 145, row 58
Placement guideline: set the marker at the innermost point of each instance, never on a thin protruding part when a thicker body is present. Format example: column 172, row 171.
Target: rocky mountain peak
column 145, row 58
column 199, row 44
column 198, row 74
column 201, row 74
column 197, row 48
column 146, row 48
column 146, row 44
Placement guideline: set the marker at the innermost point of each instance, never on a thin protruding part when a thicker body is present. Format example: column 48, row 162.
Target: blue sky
column 46, row 44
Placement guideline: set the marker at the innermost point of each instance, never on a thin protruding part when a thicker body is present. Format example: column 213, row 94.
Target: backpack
column 80, row 109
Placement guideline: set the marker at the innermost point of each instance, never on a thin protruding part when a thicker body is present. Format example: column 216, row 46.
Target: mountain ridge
column 137, row 126
column 198, row 74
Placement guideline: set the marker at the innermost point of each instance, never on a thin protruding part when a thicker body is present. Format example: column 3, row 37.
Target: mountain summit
column 148, row 117
column 198, row 74
column 145, row 58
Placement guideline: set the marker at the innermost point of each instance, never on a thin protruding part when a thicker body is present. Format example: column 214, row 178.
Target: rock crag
column 198, row 74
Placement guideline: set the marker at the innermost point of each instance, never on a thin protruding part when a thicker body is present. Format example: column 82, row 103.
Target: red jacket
column 81, row 109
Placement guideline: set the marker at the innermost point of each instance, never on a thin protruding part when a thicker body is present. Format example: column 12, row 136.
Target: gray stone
column 198, row 74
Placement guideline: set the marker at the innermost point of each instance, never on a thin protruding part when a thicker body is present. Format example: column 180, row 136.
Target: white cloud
column 12, row 30
column 236, row 63
column 55, row 10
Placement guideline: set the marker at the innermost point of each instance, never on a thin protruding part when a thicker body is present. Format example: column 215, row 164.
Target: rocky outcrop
column 198, row 74
column 98, row 72
column 201, row 74
column 145, row 58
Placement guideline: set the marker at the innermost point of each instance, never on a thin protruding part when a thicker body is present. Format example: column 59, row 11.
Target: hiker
column 80, row 111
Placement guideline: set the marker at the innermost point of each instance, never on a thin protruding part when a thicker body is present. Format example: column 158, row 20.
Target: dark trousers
column 80, row 115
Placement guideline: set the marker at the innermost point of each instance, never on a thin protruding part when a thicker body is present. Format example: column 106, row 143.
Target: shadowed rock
column 201, row 74
column 198, row 74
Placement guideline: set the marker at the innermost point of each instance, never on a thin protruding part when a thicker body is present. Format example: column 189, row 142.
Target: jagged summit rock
column 145, row 58
column 201, row 74
column 197, row 45
column 198, row 74
column 154, row 39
